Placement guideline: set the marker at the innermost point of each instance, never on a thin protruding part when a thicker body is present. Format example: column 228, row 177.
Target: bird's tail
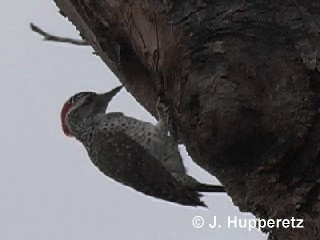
column 208, row 188
column 202, row 187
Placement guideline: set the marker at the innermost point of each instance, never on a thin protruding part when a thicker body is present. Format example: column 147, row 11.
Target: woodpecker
column 135, row 153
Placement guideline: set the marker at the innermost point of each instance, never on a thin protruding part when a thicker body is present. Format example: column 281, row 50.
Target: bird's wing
column 147, row 136
column 124, row 160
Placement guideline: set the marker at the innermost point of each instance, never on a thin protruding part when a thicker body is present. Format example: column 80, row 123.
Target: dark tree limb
column 242, row 82
column 54, row 38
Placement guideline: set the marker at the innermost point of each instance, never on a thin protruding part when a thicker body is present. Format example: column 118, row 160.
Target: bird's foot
column 163, row 116
column 165, row 123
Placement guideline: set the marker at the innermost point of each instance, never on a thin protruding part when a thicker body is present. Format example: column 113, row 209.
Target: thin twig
column 50, row 37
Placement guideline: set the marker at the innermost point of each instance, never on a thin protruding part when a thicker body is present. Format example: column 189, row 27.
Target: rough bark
column 242, row 82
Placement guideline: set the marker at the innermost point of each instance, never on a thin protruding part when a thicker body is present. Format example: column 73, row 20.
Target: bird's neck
column 80, row 127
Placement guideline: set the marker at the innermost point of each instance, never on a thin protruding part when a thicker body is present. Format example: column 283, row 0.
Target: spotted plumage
column 135, row 153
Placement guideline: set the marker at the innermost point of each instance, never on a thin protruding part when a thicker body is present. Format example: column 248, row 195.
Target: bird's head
column 85, row 104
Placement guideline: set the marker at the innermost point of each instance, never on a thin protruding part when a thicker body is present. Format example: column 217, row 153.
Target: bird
column 135, row 153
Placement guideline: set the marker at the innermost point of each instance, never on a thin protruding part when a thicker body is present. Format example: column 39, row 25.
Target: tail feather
column 190, row 197
column 192, row 183
column 209, row 188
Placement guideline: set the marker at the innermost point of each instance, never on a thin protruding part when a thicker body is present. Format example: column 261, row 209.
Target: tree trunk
column 241, row 79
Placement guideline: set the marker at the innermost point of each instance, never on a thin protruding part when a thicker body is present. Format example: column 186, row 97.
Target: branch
column 53, row 38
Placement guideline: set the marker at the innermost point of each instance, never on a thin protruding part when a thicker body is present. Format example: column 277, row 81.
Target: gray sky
column 49, row 189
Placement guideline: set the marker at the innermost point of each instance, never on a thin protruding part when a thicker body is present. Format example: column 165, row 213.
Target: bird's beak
column 105, row 98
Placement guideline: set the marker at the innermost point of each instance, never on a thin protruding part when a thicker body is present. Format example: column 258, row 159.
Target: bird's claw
column 163, row 113
column 165, row 122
